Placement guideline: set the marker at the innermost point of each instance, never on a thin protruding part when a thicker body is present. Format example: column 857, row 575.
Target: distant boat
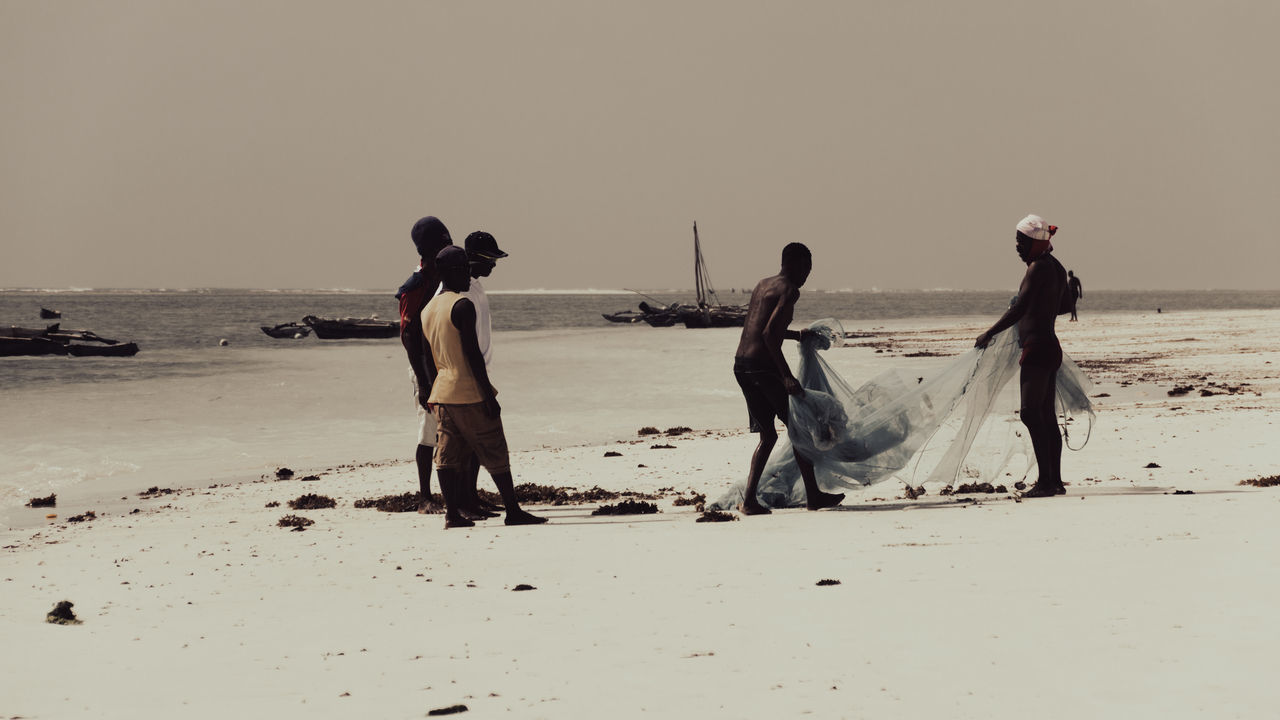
column 47, row 314
column 289, row 330
column 347, row 328
column 708, row 312
column 53, row 340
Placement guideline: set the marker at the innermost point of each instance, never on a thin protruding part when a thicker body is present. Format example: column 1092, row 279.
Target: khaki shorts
column 464, row 429
column 426, row 421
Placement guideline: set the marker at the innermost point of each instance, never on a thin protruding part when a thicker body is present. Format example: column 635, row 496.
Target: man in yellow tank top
column 468, row 417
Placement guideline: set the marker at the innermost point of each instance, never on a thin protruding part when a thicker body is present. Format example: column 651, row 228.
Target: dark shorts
column 1041, row 353
column 762, row 387
column 464, row 429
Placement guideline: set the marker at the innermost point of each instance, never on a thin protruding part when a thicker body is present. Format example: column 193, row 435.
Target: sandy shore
column 1122, row 599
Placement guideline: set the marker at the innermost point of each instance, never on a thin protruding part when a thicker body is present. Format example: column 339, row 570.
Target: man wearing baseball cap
column 465, row 403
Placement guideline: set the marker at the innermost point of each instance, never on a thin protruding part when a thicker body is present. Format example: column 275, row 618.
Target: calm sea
column 187, row 411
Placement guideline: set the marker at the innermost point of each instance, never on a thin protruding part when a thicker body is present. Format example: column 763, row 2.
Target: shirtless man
column 764, row 376
column 1076, row 290
column 1042, row 296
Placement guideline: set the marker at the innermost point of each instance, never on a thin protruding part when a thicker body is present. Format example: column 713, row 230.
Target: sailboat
column 709, row 312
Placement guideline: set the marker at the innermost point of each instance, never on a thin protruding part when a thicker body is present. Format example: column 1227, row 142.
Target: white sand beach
column 1120, row 600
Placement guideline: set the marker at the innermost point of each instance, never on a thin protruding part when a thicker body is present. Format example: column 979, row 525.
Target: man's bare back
column 773, row 304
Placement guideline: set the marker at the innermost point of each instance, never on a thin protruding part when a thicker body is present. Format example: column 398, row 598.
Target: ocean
column 189, row 412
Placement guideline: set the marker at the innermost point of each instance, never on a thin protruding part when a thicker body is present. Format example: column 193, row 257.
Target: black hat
column 481, row 244
column 451, row 257
column 429, row 235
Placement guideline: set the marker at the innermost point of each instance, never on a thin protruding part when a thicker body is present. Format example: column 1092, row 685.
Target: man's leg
column 450, row 485
column 423, row 459
column 1037, row 413
column 471, row 505
column 515, row 515
column 750, row 503
column 815, row 499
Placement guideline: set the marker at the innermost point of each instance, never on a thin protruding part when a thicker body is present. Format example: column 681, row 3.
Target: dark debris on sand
column 311, row 501
column 825, row 582
column 679, row 430
column 627, row 507
column 648, row 430
column 716, row 516
column 966, row 488
column 51, row 501
column 662, row 446
column 1262, row 482
column 1150, row 465
column 695, row 499
column 1180, row 390
column 451, row 710
column 406, row 502
column 612, row 453
column 83, row 517
column 522, row 587
column 911, row 493
column 61, row 614
column 284, row 473
column 273, row 503
column 297, row 522
column 155, row 491
column 534, row 494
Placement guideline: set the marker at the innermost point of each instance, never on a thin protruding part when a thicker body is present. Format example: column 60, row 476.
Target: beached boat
column 348, row 328
column 47, row 314
column 289, row 330
column 53, row 340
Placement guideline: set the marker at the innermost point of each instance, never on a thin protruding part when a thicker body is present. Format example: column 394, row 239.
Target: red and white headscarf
column 1034, row 227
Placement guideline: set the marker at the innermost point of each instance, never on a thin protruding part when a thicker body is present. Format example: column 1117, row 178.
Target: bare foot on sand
column 1040, row 490
column 520, row 517
column 753, row 508
column 824, row 500
column 457, row 521
column 477, row 513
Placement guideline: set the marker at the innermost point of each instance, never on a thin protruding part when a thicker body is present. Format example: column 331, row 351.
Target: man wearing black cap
column 429, row 236
column 465, row 403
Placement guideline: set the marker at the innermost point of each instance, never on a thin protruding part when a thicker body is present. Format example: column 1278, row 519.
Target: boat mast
column 701, row 275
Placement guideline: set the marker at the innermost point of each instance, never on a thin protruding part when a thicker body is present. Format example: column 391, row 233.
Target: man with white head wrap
column 1042, row 296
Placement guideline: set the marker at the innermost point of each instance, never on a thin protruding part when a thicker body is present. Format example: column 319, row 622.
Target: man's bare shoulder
column 775, row 288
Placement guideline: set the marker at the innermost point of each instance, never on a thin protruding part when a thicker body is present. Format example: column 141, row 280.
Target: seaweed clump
column 155, row 491
column 716, row 516
column 1262, row 482
column 85, row 516
column 297, row 522
column 648, row 430
column 695, row 499
column 405, row 502
column 51, row 501
column 627, row 507
column 61, row 614
column 826, row 582
column 311, row 501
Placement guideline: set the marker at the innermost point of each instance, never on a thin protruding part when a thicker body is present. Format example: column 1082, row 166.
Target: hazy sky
column 292, row 144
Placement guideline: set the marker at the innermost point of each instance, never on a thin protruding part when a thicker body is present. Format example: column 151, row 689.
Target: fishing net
column 961, row 425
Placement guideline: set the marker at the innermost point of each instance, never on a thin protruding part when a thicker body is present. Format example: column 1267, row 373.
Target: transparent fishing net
column 961, row 425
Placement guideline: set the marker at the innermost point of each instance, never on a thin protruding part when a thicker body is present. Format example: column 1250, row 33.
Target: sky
column 292, row 144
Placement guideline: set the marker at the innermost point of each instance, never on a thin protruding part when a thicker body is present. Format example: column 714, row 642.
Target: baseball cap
column 482, row 244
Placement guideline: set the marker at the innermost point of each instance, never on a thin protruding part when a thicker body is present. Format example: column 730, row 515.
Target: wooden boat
column 347, row 328
column 53, row 340
column 47, row 314
column 290, row 330
column 709, row 312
